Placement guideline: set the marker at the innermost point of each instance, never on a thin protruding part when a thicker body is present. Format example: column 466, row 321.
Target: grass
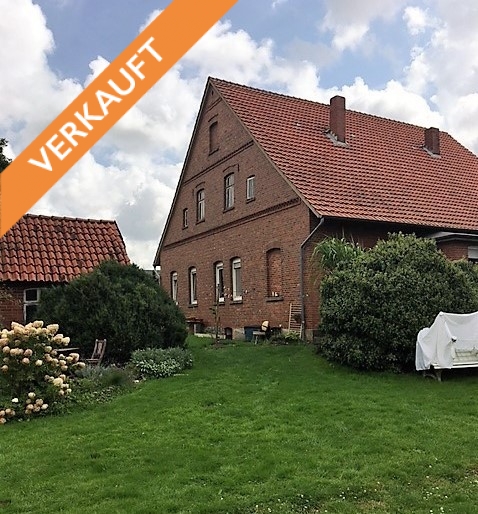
column 254, row 429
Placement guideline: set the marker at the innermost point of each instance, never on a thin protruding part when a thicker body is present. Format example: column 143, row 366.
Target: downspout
column 302, row 287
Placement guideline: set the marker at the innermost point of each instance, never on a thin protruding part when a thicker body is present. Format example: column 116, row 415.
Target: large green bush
column 373, row 306
column 119, row 303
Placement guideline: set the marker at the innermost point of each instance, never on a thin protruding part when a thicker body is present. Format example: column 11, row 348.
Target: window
column 229, row 191
column 213, row 137
column 251, row 188
column 201, row 205
column 174, row 286
column 31, row 297
column 274, row 273
column 236, row 279
column 193, row 295
column 185, row 218
column 219, row 281
column 473, row 254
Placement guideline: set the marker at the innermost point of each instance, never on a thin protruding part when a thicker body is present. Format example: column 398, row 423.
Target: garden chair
column 98, row 353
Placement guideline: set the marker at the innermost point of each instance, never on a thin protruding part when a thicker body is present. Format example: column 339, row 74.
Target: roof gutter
column 301, row 273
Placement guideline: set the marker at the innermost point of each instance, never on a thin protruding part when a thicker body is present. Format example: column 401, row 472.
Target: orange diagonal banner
column 103, row 103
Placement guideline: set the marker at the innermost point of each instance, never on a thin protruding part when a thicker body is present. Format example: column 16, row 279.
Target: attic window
column 213, row 137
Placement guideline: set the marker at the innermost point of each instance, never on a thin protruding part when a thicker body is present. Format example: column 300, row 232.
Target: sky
column 414, row 61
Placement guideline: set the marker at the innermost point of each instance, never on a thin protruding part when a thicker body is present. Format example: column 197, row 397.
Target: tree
column 373, row 306
column 4, row 161
column 119, row 303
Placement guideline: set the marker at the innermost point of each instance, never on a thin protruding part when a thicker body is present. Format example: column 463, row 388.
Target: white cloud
column 417, row 20
column 350, row 21
column 131, row 174
column 276, row 3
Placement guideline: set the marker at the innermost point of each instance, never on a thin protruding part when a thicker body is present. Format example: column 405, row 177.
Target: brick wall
column 11, row 309
column 276, row 219
column 455, row 250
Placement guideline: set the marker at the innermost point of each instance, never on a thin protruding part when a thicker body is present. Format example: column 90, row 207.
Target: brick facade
column 12, row 304
column 265, row 233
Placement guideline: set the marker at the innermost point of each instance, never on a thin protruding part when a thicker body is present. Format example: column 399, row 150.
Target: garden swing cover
column 436, row 345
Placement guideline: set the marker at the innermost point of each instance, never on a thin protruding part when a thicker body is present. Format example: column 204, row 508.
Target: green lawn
column 254, row 429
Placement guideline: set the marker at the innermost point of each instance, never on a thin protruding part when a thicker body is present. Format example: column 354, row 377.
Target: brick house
column 267, row 176
column 41, row 251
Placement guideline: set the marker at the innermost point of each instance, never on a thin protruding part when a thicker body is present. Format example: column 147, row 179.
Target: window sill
column 193, row 305
column 236, row 302
column 200, row 221
column 249, row 200
column 211, row 152
column 227, row 209
column 274, row 299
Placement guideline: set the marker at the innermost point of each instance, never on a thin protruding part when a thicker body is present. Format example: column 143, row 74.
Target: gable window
column 229, row 191
column 274, row 273
column 193, row 294
column 185, row 218
column 31, row 297
column 174, row 286
column 213, row 137
column 236, row 273
column 201, row 205
column 219, row 281
column 251, row 188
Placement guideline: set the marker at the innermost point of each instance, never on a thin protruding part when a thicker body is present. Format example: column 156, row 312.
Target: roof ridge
column 66, row 218
column 314, row 102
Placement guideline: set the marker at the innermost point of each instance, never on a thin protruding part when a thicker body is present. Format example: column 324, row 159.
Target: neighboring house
column 267, row 176
column 41, row 251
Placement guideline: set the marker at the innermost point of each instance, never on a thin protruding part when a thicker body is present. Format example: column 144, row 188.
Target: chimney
column 337, row 117
column 432, row 140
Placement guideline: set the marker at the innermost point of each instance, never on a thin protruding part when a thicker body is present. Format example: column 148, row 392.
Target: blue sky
column 415, row 61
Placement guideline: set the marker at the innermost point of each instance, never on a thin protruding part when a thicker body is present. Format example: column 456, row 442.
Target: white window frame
column 229, row 191
column 29, row 303
column 174, row 286
column 218, row 271
column 193, row 286
column 201, row 205
column 185, row 218
column 236, row 273
column 251, row 187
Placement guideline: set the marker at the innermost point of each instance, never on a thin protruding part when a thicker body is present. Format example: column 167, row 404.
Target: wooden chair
column 98, row 353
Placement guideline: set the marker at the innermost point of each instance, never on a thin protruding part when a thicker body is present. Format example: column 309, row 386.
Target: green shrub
column 373, row 307
column 286, row 338
column 35, row 375
column 119, row 303
column 332, row 251
column 159, row 363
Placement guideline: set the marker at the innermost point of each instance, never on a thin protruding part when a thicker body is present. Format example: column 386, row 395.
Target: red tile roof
column 54, row 249
column 382, row 174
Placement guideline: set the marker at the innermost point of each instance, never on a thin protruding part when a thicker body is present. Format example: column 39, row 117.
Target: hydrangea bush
column 35, row 370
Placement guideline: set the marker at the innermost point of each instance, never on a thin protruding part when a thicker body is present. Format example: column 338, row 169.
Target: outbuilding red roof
column 55, row 249
column 381, row 173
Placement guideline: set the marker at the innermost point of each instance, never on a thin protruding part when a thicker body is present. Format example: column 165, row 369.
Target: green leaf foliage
column 4, row 161
column 119, row 303
column 373, row 307
column 332, row 251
